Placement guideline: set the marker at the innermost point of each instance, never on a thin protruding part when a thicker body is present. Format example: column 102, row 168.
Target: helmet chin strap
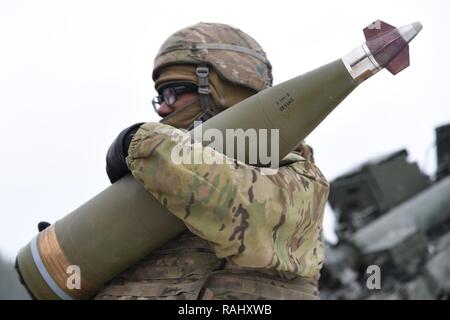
column 204, row 92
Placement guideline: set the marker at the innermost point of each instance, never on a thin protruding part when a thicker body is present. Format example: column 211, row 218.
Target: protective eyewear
column 170, row 95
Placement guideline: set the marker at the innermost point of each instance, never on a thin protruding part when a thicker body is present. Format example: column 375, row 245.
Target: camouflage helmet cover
column 232, row 53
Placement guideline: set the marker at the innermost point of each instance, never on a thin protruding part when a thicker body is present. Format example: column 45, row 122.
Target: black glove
column 116, row 166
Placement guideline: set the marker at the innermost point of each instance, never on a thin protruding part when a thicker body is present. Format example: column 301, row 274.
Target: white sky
column 73, row 74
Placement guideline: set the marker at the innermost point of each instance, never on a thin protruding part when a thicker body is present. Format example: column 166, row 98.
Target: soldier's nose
column 164, row 110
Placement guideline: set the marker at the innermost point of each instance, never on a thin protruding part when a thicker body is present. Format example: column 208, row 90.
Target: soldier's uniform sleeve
column 253, row 220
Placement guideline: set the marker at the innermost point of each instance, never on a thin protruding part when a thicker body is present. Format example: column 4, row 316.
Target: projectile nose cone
column 417, row 26
column 409, row 31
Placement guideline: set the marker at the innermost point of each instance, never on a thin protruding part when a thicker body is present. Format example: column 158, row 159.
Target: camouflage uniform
column 263, row 233
column 250, row 236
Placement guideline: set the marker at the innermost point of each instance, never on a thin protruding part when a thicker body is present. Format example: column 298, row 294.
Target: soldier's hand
column 116, row 166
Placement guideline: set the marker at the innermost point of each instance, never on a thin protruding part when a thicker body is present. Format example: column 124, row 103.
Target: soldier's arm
column 251, row 219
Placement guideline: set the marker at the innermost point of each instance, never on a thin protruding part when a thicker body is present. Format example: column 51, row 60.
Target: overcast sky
column 73, row 74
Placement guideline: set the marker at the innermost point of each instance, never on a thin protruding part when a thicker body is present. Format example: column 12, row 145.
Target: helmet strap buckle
column 202, row 73
column 204, row 91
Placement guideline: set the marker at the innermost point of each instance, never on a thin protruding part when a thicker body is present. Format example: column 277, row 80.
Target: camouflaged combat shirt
column 253, row 220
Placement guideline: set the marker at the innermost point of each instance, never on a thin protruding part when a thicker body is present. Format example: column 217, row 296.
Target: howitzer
column 122, row 224
column 424, row 212
column 410, row 243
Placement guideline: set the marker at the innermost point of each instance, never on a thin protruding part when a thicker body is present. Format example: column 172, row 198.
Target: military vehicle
column 393, row 222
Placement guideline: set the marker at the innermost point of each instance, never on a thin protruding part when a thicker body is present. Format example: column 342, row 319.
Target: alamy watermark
column 211, row 145
column 74, row 279
column 373, row 281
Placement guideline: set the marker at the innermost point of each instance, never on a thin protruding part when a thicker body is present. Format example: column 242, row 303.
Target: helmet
column 213, row 56
column 235, row 55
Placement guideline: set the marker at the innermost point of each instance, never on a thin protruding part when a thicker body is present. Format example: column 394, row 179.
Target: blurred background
column 73, row 74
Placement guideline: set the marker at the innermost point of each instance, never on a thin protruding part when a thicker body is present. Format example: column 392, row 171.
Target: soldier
column 249, row 236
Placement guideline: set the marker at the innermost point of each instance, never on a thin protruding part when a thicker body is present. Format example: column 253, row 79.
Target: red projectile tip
column 389, row 45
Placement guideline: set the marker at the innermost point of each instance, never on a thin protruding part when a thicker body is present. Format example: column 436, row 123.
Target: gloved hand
column 116, row 166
